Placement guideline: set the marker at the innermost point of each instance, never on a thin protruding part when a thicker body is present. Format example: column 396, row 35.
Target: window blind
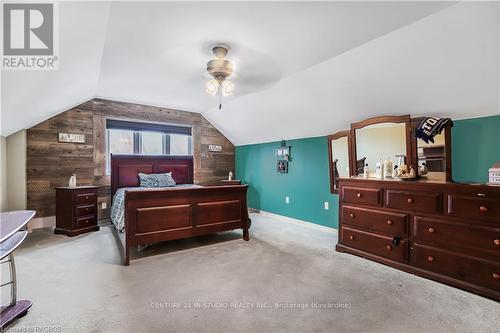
column 137, row 126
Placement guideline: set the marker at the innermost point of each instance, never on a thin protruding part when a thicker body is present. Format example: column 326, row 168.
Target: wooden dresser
column 444, row 231
column 76, row 210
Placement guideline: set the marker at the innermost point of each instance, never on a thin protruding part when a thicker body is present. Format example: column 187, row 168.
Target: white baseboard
column 42, row 222
column 294, row 221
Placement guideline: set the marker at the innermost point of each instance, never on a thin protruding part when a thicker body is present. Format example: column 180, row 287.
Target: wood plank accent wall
column 50, row 163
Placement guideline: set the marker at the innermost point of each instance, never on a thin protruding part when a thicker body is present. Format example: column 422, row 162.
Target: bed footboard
column 159, row 215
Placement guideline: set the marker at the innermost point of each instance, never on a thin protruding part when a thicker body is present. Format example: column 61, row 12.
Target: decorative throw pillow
column 156, row 180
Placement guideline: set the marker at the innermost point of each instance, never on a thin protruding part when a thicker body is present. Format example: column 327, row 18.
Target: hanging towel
column 430, row 127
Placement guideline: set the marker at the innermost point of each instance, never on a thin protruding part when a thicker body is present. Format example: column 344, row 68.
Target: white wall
column 3, row 174
column 16, row 170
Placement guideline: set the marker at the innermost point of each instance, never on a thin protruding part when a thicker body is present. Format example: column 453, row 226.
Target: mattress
column 118, row 205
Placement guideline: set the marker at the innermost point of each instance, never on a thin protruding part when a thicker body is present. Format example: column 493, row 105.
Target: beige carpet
column 287, row 278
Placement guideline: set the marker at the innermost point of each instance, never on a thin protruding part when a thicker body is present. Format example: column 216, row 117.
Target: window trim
column 138, row 128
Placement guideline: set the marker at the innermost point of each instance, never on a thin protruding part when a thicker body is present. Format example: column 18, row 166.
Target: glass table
column 11, row 236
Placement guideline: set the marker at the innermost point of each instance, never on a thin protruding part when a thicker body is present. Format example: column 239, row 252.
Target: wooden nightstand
column 231, row 182
column 76, row 210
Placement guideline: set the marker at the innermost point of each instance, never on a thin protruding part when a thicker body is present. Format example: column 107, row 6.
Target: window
column 145, row 139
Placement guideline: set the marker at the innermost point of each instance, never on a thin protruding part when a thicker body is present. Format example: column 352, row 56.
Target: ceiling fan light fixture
column 220, row 69
column 227, row 88
column 212, row 86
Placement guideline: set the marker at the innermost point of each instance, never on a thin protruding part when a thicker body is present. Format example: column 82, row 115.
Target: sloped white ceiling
column 445, row 65
column 302, row 69
column 30, row 97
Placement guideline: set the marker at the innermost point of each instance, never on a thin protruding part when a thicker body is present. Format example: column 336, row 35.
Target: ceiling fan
column 220, row 68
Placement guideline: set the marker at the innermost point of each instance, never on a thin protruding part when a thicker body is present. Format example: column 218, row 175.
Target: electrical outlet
column 287, row 199
column 103, row 205
column 327, row 206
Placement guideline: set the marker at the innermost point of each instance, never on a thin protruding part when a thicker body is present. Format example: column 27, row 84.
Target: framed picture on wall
column 282, row 166
column 283, row 153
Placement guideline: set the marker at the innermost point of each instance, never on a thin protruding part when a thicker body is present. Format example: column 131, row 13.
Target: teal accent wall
column 475, row 144
column 307, row 182
column 475, row 148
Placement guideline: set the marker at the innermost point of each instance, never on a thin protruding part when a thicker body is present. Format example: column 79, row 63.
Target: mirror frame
column 330, row 138
column 447, row 142
column 406, row 119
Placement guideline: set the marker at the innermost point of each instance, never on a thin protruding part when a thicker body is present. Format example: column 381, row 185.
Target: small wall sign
column 215, row 148
column 71, row 137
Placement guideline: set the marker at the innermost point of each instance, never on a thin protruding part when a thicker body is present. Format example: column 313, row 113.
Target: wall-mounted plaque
column 215, row 148
column 71, row 137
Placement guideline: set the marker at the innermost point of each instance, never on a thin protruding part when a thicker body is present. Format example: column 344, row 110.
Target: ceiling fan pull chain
column 220, row 98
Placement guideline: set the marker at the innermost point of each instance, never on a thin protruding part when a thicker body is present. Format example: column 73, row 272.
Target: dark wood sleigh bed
column 157, row 215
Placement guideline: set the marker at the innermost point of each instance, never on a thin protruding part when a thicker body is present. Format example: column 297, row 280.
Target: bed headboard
column 125, row 168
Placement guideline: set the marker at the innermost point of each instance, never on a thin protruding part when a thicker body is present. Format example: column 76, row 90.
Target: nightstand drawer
column 84, row 210
column 85, row 197
column 86, row 221
column 422, row 202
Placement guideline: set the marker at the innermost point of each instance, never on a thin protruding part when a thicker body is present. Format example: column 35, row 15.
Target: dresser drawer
column 460, row 234
column 422, row 202
column 474, row 207
column 85, row 197
column 374, row 244
column 461, row 267
column 375, row 220
column 86, row 221
column 362, row 195
column 84, row 210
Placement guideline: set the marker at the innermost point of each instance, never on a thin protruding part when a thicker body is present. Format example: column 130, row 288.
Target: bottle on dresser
column 379, row 170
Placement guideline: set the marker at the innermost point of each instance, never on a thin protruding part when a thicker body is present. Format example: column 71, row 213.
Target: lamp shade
column 212, row 86
column 227, row 88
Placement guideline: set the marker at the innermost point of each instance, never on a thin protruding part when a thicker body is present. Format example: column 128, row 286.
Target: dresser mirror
column 389, row 138
column 339, row 158
column 436, row 156
column 379, row 139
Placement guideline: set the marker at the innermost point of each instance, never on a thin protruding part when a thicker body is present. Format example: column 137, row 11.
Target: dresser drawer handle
column 359, row 195
column 430, row 258
column 431, row 230
column 388, row 247
column 496, row 276
column 496, row 242
column 351, row 237
column 389, row 222
column 351, row 215
column 410, row 200
column 483, row 208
